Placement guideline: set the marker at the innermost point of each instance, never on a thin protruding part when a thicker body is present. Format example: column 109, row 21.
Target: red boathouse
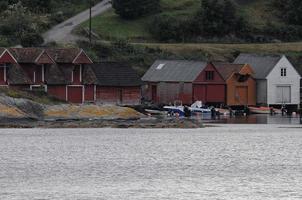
column 188, row 81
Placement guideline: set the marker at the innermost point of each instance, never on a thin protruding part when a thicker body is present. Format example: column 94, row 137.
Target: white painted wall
column 261, row 89
column 274, row 79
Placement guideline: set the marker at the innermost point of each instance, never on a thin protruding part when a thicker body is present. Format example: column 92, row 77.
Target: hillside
column 110, row 26
column 130, row 41
column 23, row 21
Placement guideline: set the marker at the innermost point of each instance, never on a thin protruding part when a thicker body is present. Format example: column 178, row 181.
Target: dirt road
column 61, row 33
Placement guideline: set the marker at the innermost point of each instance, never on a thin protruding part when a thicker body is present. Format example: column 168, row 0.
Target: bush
column 32, row 40
column 132, row 9
column 170, row 28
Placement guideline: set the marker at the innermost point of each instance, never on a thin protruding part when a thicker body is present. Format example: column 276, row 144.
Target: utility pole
column 90, row 25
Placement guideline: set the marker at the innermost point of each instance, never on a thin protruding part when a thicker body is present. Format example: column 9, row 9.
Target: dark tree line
column 290, row 10
column 132, row 9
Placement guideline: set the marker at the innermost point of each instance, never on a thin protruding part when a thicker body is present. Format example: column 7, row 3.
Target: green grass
column 110, row 26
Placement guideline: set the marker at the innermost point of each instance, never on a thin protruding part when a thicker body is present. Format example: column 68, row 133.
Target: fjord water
column 229, row 162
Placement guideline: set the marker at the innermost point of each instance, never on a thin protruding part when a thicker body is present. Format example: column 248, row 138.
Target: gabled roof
column 226, row 70
column 55, row 76
column 26, row 55
column 17, row 76
column 261, row 64
column 6, row 56
column 174, row 71
column 113, row 74
column 68, row 55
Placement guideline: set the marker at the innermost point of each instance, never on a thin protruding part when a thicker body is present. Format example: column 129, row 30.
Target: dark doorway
column 154, row 93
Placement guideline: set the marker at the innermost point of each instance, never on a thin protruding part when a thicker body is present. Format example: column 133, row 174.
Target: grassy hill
column 110, row 26
column 140, row 49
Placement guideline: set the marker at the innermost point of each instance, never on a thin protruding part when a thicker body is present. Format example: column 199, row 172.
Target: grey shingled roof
column 261, row 64
column 174, row 71
column 114, row 74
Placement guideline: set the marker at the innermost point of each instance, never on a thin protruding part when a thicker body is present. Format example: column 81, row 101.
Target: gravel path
column 61, row 33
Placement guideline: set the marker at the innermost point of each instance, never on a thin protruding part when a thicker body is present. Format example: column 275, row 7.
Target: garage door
column 2, row 76
column 75, row 94
column 199, row 93
column 216, row 93
column 283, row 94
column 241, row 95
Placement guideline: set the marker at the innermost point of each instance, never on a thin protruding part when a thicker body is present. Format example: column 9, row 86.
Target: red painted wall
column 108, row 94
column 45, row 59
column 131, row 95
column 7, row 58
column 29, row 69
column 118, row 95
column 58, row 91
column 76, row 75
column 209, row 91
column 89, row 93
column 75, row 94
column 202, row 76
column 2, row 82
column 82, row 59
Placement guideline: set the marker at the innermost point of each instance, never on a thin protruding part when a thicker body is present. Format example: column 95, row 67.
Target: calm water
column 231, row 162
column 255, row 119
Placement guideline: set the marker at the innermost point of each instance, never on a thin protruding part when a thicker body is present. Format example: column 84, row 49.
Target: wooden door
column 75, row 94
column 199, row 93
column 241, row 95
column 2, row 76
column 154, row 93
column 283, row 94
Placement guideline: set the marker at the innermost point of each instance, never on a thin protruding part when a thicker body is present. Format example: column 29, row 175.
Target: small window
column 283, row 72
column 160, row 66
column 209, row 75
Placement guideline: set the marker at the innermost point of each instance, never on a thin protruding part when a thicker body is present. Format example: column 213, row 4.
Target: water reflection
column 254, row 119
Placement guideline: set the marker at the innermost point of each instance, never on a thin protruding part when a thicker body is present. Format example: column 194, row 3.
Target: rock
column 67, row 112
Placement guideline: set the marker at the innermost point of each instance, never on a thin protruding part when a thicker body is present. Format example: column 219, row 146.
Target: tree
column 217, row 18
column 291, row 10
column 17, row 24
column 132, row 9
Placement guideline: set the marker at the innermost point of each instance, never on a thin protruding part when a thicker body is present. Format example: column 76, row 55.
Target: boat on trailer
column 264, row 110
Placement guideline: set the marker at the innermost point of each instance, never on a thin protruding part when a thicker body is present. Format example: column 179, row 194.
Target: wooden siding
column 2, row 76
column 44, row 59
column 217, row 79
column 57, row 91
column 131, row 95
column 89, row 93
column 241, row 93
column 82, row 59
column 75, row 94
column 118, row 95
column 275, row 80
column 7, row 58
column 209, row 94
column 77, row 75
column 209, row 91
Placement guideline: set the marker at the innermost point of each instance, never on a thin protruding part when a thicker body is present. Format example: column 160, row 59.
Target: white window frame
column 34, row 77
column 43, row 73
column 283, row 72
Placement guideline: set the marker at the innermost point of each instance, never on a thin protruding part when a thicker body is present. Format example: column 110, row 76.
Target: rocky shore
column 24, row 113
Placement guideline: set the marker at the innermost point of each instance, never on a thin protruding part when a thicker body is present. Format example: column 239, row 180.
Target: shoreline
column 144, row 123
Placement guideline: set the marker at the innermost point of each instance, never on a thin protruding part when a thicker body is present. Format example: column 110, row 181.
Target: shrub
column 132, row 9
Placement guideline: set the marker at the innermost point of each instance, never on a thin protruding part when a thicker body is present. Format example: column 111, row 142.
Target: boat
column 222, row 111
column 194, row 109
column 156, row 112
column 264, row 110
